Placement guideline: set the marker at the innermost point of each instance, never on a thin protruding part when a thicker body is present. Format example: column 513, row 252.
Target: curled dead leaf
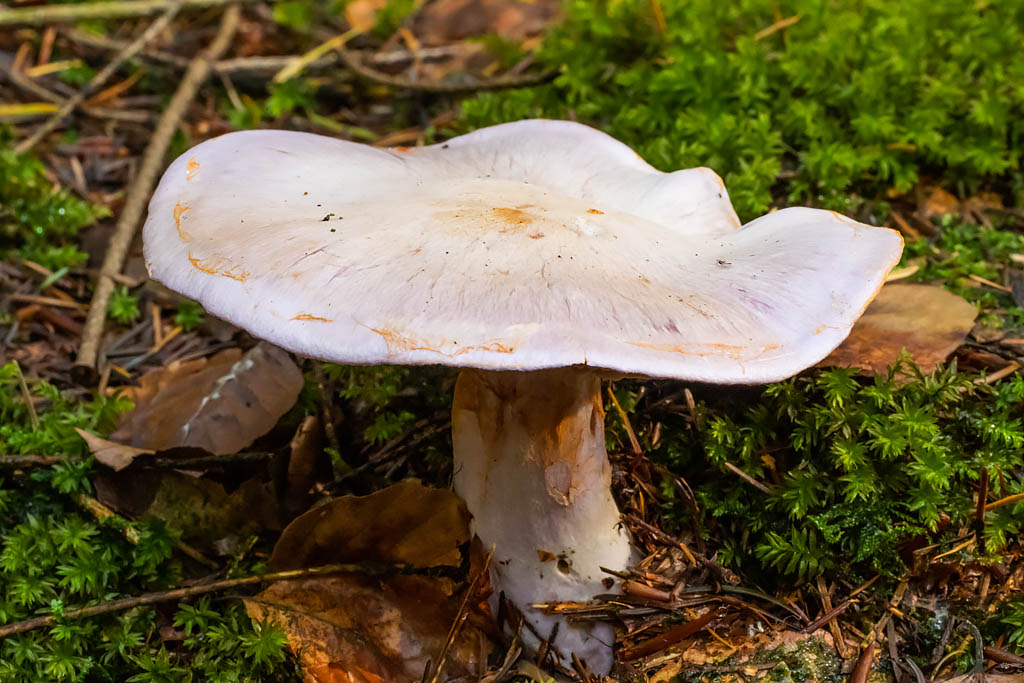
column 117, row 456
column 357, row 629
column 221, row 404
column 928, row 321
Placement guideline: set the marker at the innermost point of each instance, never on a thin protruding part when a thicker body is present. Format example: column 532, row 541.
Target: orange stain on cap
column 218, row 265
column 309, row 317
column 180, row 209
column 191, row 168
column 397, row 342
column 731, row 351
column 595, row 211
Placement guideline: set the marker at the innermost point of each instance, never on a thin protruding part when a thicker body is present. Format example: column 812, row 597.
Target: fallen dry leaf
column 362, row 14
column 305, row 462
column 938, row 203
column 928, row 321
column 117, row 456
column 221, row 404
column 407, row 523
column 449, row 21
column 357, row 629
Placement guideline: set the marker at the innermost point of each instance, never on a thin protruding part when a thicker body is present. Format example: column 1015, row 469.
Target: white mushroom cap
column 528, row 245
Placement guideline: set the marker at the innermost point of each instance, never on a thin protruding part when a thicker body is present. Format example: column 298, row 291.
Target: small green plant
column 123, row 306
column 55, row 558
column 1013, row 619
column 854, row 469
column 843, row 96
column 189, row 315
column 963, row 250
column 38, row 221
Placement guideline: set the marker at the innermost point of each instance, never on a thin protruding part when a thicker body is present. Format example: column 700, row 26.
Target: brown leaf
column 362, row 14
column 939, row 203
column 114, row 455
column 305, row 462
column 356, row 629
column 406, row 523
column 449, row 21
column 221, row 404
column 928, row 321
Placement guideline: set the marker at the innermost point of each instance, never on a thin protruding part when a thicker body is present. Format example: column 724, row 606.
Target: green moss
column 38, row 221
column 855, row 469
column 53, row 558
column 861, row 96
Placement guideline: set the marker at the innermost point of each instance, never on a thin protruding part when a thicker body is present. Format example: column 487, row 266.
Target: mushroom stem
column 530, row 463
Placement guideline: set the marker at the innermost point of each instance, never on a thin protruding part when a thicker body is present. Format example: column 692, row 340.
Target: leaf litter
column 355, row 628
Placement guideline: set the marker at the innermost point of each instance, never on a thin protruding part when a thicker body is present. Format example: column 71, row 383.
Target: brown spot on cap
column 402, row 149
column 595, row 211
column 513, row 216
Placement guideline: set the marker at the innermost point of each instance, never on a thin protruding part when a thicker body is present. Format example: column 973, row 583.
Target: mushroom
column 538, row 256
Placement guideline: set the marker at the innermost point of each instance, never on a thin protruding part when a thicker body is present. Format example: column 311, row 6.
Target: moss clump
column 54, row 558
column 38, row 221
column 855, row 469
column 838, row 97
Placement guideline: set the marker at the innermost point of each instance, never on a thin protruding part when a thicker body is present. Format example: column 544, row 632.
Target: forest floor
column 182, row 501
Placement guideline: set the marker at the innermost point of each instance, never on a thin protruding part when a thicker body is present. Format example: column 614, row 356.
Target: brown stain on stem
column 179, row 210
column 561, row 411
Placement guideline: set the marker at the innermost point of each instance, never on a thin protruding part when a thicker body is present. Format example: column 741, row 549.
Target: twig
column 460, row 617
column 355, row 64
column 101, row 512
column 833, row 624
column 862, row 669
column 669, row 637
column 747, row 478
column 99, row 79
column 633, row 442
column 27, row 395
column 777, row 26
column 298, row 64
column 135, row 201
column 182, row 593
column 24, row 461
column 123, row 9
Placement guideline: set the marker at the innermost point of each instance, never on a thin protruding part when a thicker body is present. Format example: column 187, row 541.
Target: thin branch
column 126, row 53
column 26, row 461
column 135, row 201
column 122, row 9
column 182, row 593
column 101, row 512
column 354, row 63
column 460, row 617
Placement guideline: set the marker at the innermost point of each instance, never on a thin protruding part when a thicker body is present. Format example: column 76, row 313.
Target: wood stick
column 129, row 51
column 122, row 9
column 141, row 188
column 181, row 593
